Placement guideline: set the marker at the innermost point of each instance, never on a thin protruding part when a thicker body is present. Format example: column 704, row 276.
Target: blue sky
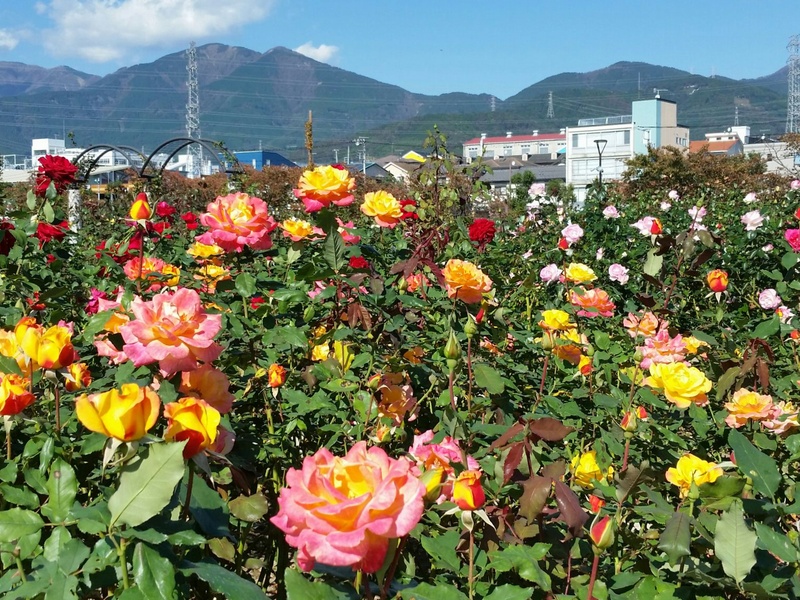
column 425, row 47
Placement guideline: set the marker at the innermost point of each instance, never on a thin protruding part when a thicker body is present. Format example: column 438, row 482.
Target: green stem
column 20, row 568
column 187, row 502
column 592, row 579
column 58, row 409
column 469, row 374
column 471, row 564
column 123, row 563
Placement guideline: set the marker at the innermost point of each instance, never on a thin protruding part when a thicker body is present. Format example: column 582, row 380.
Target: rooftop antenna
column 550, row 113
column 194, row 151
column 657, row 91
column 793, row 103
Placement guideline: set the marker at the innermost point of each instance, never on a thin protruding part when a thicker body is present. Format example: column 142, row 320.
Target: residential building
column 615, row 139
column 725, row 143
column 402, row 167
column 544, row 144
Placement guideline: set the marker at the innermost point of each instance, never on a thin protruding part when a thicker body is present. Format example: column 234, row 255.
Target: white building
column 551, row 144
column 614, row 140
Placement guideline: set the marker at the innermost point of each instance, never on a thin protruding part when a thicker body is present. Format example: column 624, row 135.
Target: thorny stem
column 387, row 582
column 8, row 442
column 123, row 563
column 625, row 454
column 595, row 562
column 452, row 391
column 58, row 409
column 469, row 374
column 541, row 384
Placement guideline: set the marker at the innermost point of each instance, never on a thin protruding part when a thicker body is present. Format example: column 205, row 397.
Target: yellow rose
column 465, row 281
column 693, row 344
column 556, row 320
column 125, row 414
column 682, row 384
column 691, row 469
column 324, row 186
column 199, row 250
column 320, row 352
column 193, row 420
column 296, row 229
column 384, row 207
column 579, row 273
column 586, row 471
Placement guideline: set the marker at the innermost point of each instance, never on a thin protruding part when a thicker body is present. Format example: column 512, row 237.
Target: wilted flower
column 618, row 273
column 769, row 299
column 752, row 220
column 342, row 512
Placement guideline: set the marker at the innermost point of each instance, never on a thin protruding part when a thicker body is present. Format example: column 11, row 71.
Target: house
column 504, row 169
column 399, row 167
column 727, row 143
column 544, row 144
column 370, row 169
column 600, row 146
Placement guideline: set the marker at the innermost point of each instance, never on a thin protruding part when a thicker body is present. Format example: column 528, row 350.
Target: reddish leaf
column 411, row 266
column 549, row 429
column 762, row 368
column 512, row 461
column 555, row 470
column 535, row 492
column 398, row 267
column 570, row 508
column 512, row 432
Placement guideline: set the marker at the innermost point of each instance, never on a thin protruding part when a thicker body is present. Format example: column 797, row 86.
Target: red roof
column 518, row 138
column 700, row 145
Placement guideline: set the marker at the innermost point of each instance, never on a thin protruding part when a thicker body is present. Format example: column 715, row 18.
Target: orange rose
column 14, row 394
column 384, row 207
column 277, row 376
column 140, row 209
column 717, row 280
column 465, row 281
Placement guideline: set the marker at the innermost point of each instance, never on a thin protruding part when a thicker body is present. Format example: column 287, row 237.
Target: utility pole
column 336, row 155
column 492, row 103
column 793, row 104
column 362, row 142
column 735, row 115
column 195, row 151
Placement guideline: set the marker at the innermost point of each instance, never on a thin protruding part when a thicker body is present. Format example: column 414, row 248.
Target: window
column 626, row 138
column 525, row 148
column 574, row 140
column 507, row 150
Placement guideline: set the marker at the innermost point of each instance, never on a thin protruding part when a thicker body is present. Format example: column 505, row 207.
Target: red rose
column 256, row 301
column 56, row 169
column 7, row 240
column 45, row 232
column 563, row 244
column 482, row 231
column 165, row 210
column 359, row 263
column 405, row 205
column 190, row 219
column 793, row 237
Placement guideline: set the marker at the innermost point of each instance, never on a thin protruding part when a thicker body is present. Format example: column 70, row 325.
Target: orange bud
column 140, row 208
column 277, row 376
column 468, row 493
column 717, row 280
column 585, row 365
column 602, row 533
column 795, row 334
column 641, row 413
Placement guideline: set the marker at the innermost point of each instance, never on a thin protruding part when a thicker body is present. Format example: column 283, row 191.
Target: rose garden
column 304, row 384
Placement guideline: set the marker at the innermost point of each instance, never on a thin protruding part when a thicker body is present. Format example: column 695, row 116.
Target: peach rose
column 172, row 329
column 210, row 384
column 717, row 280
column 324, row 186
column 592, row 303
column 746, row 405
column 465, row 281
column 343, row 511
column 237, row 220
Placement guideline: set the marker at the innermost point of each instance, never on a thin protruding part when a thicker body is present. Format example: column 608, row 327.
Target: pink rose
column 793, row 237
column 752, row 220
column 750, row 198
column 610, row 212
column 674, row 195
column 572, row 233
column 618, row 273
column 795, row 185
column 237, row 220
column 342, row 512
column 550, row 273
column 769, row 299
column 172, row 329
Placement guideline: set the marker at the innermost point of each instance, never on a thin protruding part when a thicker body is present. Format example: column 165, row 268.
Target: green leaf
column 16, row 522
column 18, row 495
column 146, row 484
column 249, row 508
column 47, row 212
column 488, row 378
column 9, row 365
column 333, row 250
column 154, row 574
column 223, row 581
column 725, row 382
column 55, row 543
column 767, row 328
column 300, row 588
column 777, row 543
column 755, row 464
column 509, row 592
column 62, row 487
column 222, row 548
column 735, row 543
column 245, row 285
column 440, row 591
column 207, row 507
column 676, row 538
column 524, row 560
column 789, row 260
column 653, row 263
column 442, row 550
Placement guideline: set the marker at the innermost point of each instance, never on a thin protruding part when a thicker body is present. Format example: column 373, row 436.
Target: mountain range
column 250, row 99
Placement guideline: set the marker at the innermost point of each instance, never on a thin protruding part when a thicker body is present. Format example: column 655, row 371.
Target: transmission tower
column 793, row 104
column 550, row 113
column 492, row 103
column 735, row 115
column 195, row 151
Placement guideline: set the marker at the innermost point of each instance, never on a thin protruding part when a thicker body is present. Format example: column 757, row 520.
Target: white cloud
column 8, row 41
column 106, row 30
column 322, row 53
